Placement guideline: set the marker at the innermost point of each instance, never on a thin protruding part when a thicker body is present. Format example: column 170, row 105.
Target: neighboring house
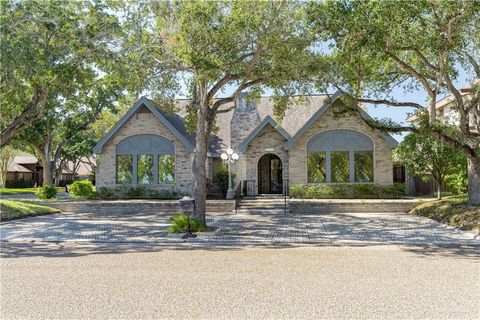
column 27, row 167
column 445, row 109
column 152, row 148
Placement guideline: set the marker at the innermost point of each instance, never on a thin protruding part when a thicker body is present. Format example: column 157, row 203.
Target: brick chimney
column 245, row 118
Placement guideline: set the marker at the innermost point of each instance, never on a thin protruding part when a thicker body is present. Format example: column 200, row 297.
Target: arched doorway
column 270, row 174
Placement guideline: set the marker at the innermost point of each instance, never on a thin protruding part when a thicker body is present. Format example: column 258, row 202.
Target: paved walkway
column 270, row 226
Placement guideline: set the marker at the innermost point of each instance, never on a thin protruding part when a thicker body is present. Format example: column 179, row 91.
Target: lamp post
column 230, row 157
column 187, row 206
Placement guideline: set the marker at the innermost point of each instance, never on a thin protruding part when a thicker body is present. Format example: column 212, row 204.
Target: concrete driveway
column 270, row 226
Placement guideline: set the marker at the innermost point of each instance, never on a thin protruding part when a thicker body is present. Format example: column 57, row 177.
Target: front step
column 265, row 205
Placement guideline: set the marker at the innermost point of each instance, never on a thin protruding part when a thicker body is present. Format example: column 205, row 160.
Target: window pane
column 316, row 164
column 124, row 169
column 166, row 168
column 363, row 166
column 339, row 164
column 145, row 169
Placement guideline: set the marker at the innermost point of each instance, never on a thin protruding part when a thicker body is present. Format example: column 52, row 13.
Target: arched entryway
column 270, row 174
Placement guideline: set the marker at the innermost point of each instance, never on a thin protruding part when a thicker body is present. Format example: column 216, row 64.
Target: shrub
column 222, row 179
column 163, row 194
column 348, row 191
column 105, row 193
column 19, row 184
column 137, row 192
column 180, row 224
column 82, row 188
column 47, row 192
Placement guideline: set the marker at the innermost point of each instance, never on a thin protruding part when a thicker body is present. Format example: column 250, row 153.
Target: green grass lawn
column 12, row 209
column 452, row 211
column 13, row 191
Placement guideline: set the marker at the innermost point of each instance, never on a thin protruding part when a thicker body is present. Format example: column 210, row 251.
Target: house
column 150, row 147
column 445, row 108
column 26, row 170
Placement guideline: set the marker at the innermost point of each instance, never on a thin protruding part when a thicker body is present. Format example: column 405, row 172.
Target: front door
column 270, row 179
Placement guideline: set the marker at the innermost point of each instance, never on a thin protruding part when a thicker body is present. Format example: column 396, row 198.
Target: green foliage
column 222, row 179
column 19, row 183
column 47, row 192
column 180, row 224
column 347, row 191
column 136, row 193
column 424, row 156
column 457, row 182
column 82, row 188
column 453, row 211
column 105, row 193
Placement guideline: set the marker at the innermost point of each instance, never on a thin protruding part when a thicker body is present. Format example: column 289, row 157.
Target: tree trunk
column 439, row 190
column 199, row 163
column 474, row 181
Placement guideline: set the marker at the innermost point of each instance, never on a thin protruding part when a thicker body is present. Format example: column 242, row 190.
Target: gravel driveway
column 270, row 226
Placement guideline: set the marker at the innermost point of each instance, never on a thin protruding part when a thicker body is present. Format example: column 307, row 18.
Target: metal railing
column 238, row 195
column 285, row 193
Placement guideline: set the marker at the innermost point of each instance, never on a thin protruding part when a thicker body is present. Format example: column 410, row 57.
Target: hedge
column 19, row 184
column 348, row 191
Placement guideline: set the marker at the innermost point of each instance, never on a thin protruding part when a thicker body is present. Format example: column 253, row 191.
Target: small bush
column 105, row 193
column 347, row 191
column 82, row 188
column 19, row 184
column 180, row 224
column 47, row 192
column 137, row 192
column 222, row 179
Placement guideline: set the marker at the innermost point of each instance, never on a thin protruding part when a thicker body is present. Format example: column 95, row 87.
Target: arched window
column 340, row 156
column 145, row 159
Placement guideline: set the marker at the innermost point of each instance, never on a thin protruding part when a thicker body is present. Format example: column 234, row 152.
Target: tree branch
column 27, row 117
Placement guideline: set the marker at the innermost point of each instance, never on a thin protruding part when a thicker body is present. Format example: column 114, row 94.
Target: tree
column 50, row 49
column 380, row 46
column 220, row 48
column 71, row 54
column 7, row 155
column 425, row 156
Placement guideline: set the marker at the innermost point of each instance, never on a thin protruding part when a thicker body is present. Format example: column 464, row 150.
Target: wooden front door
column 270, row 174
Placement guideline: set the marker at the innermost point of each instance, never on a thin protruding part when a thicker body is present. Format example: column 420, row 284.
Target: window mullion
column 351, row 166
column 328, row 167
column 135, row 169
column 155, row 168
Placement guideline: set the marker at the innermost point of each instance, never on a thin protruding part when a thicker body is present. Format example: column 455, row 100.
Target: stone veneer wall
column 268, row 138
column 146, row 123
column 383, row 172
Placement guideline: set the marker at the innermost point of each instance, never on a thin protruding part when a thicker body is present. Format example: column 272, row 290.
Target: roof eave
column 141, row 102
column 268, row 120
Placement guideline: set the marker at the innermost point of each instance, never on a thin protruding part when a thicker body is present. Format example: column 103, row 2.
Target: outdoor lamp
column 230, row 157
column 187, row 205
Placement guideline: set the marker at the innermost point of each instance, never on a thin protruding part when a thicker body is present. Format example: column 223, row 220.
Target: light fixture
column 230, row 157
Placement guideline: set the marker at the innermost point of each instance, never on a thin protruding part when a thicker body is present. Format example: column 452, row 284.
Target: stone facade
column 145, row 122
column 269, row 140
column 383, row 173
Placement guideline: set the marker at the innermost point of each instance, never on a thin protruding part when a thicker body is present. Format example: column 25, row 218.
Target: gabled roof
column 268, row 120
column 290, row 143
column 15, row 167
column 173, row 122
